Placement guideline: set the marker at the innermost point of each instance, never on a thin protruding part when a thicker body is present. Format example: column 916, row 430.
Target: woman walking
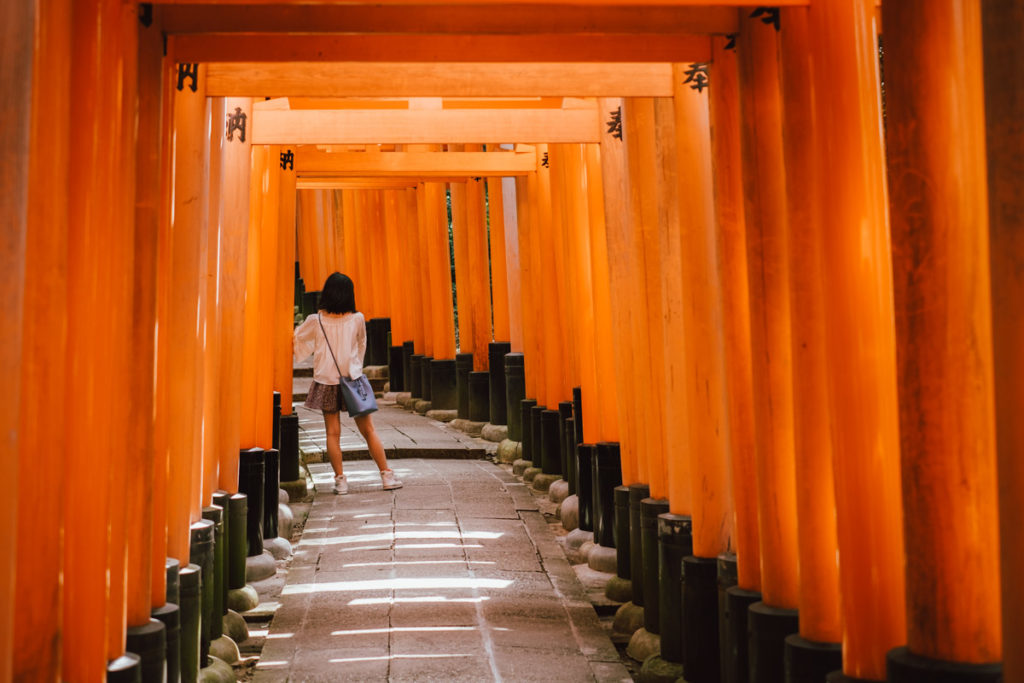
column 336, row 336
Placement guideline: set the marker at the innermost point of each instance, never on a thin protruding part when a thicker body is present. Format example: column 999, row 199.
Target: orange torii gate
column 797, row 339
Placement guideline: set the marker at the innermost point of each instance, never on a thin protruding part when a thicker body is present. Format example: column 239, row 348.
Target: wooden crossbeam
column 425, row 126
column 508, row 18
column 444, row 79
column 277, row 47
column 634, row 4
column 311, row 162
column 369, row 183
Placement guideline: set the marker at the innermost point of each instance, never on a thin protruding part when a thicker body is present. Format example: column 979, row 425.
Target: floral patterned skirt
column 325, row 397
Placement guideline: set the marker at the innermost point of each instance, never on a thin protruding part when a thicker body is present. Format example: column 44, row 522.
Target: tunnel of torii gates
column 786, row 317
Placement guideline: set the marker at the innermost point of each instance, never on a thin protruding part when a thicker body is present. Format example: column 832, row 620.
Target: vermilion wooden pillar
column 607, row 427
column 704, row 382
column 440, row 274
column 408, row 269
column 479, row 273
column 423, row 269
column 213, row 336
column 731, row 244
column 499, row 266
column 236, row 164
column 93, row 255
column 395, row 291
column 617, row 229
column 284, row 281
column 815, row 491
column 1003, row 31
column 860, row 333
column 549, row 289
column 935, row 134
column 767, row 261
column 460, row 248
column 680, row 370
column 38, row 509
column 560, row 218
column 513, row 257
column 188, row 248
column 533, row 363
column 17, row 31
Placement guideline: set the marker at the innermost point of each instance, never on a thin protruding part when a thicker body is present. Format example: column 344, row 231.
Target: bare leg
column 365, row 426
column 332, row 422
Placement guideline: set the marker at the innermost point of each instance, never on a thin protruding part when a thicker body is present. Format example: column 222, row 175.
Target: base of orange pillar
column 738, row 602
column 170, row 616
column 416, row 375
column 125, row 669
column 768, row 627
column 902, row 666
column 810, row 662
column 149, row 642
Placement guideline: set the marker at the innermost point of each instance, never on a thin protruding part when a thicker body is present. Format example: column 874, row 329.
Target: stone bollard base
column 569, row 513
column 235, row 627
column 530, row 472
column 542, row 482
column 442, row 415
column 628, row 620
column 241, row 600
column 217, row 671
column 558, row 491
column 658, row 670
column 619, row 590
column 520, row 466
column 495, row 433
column 260, row 567
column 422, row 407
column 603, row 559
column 285, row 521
column 467, row 426
column 278, row 547
column 643, row 644
column 578, row 544
column 509, row 451
column 225, row 649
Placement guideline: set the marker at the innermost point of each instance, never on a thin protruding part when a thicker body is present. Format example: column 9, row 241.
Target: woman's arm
column 361, row 338
column 304, row 338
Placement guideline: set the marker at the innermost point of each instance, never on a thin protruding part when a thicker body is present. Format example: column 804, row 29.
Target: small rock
column 495, row 433
column 260, row 567
column 643, row 644
column 509, row 451
column 570, row 512
column 242, row 600
column 542, row 482
column 235, row 627
column 279, row 547
column 559, row 491
column 519, row 467
column 628, row 620
column 285, row 521
column 225, row 649
column 603, row 559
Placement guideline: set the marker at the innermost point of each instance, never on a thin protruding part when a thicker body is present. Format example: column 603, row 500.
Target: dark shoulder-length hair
column 338, row 294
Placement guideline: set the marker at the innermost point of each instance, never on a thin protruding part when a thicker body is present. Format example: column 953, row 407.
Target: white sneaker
column 387, row 479
column 340, row 485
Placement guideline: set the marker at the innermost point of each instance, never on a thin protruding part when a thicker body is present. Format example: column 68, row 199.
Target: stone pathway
column 455, row 577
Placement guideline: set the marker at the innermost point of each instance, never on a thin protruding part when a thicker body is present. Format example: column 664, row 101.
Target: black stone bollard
column 407, row 354
column 650, row 509
column 737, row 641
column 479, row 396
column 275, row 437
column 191, row 587
column 289, row 455
column 463, row 366
column 149, row 642
column 551, row 443
column 218, row 607
column 637, row 493
column 623, row 555
column 251, row 482
column 125, row 669
column 902, row 666
column 726, row 580
column 442, row 385
column 396, row 369
column 675, row 541
column 497, row 404
column 808, row 662
column 607, row 473
column 577, row 412
column 567, row 436
column 222, row 499
column 416, row 375
column 238, row 532
column 767, row 628
column 537, row 448
column 377, row 330
column 700, row 619
column 170, row 616
column 200, row 553
column 585, row 484
column 526, row 407
column 425, row 377
column 310, row 301
column 172, row 569
column 515, row 394
column 271, row 486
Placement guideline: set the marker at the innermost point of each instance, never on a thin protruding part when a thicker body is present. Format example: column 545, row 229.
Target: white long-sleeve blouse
column 347, row 334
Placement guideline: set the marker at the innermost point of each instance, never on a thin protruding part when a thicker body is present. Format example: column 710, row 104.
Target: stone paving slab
column 455, row 577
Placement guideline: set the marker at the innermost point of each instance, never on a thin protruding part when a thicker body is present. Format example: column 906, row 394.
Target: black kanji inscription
column 191, row 71
column 769, row 15
column 288, row 160
column 236, row 121
column 615, row 124
column 697, row 74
